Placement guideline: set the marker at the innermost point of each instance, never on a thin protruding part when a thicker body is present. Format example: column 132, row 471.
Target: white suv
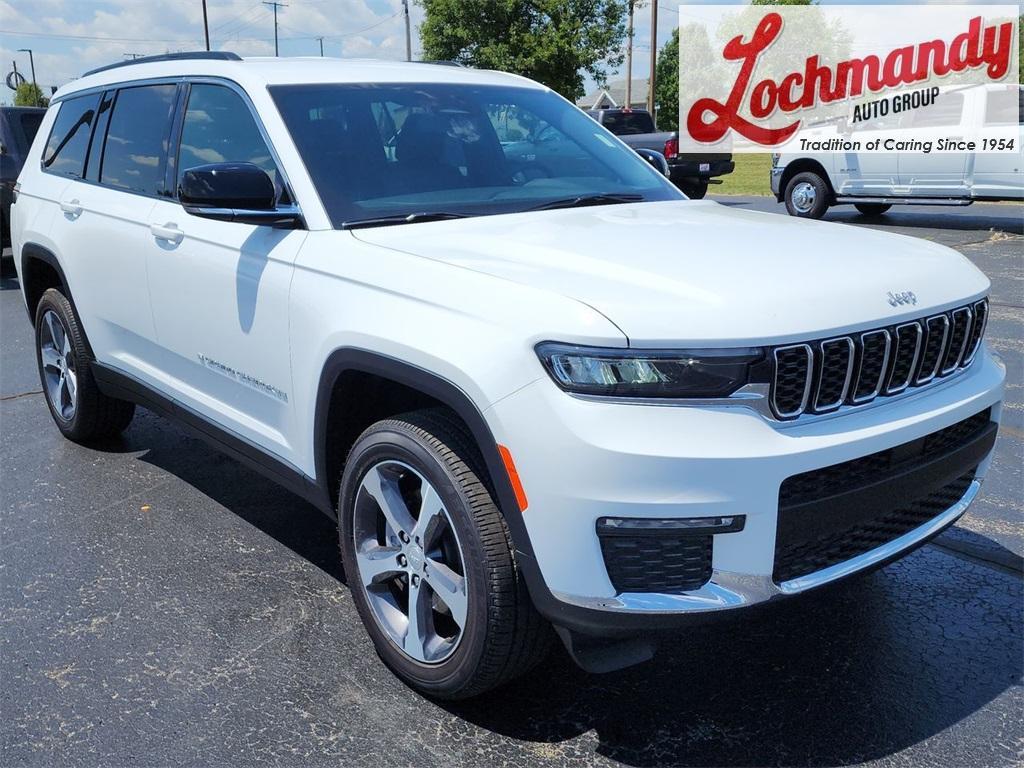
column 809, row 182
column 536, row 393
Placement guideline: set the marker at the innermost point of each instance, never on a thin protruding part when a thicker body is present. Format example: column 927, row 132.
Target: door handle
column 168, row 231
column 72, row 207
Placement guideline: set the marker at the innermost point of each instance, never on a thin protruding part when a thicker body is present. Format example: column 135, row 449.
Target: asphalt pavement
column 161, row 605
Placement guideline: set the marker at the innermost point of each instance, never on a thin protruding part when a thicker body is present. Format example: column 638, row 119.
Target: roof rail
column 184, row 56
column 443, row 63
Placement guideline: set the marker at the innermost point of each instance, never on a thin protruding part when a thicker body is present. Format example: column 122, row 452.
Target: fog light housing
column 644, row 526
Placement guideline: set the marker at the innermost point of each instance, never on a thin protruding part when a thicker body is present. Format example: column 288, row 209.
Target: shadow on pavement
column 854, row 673
column 955, row 218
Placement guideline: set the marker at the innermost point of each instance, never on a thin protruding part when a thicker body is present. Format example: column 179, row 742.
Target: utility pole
column 206, row 26
column 408, row 31
column 275, row 6
column 654, row 60
column 629, row 57
column 32, row 65
column 321, row 45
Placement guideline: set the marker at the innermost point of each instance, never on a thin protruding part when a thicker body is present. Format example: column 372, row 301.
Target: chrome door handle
column 72, row 207
column 168, row 231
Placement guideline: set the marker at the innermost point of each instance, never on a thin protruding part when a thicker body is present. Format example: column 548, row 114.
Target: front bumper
column 581, row 460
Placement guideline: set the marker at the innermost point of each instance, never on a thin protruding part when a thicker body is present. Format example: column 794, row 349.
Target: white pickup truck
column 808, row 183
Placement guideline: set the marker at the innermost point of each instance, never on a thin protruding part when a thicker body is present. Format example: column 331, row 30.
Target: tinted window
column 628, row 123
column 69, row 140
column 136, row 148
column 397, row 149
column 219, row 128
column 1005, row 107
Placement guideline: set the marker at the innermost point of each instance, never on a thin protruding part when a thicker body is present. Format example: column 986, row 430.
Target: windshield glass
column 393, row 150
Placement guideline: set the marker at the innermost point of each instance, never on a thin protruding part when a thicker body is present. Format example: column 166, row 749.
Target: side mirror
column 239, row 192
column 655, row 159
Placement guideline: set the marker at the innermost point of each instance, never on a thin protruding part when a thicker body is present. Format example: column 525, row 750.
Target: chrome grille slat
column 824, row 376
column 937, row 324
column 827, row 380
column 900, row 364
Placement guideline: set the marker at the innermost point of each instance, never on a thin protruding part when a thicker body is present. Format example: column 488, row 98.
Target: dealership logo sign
column 803, row 74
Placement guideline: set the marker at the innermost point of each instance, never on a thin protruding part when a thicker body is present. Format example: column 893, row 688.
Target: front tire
column 429, row 560
column 872, row 209
column 807, row 196
column 81, row 412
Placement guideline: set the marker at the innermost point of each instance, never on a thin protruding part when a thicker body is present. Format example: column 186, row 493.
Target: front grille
column 832, row 514
column 818, row 377
column 666, row 563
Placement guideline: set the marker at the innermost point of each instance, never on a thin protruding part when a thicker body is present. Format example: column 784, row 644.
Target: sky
column 68, row 37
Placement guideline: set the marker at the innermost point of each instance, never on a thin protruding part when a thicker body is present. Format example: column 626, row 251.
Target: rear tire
column 401, row 460
column 807, row 196
column 81, row 412
column 872, row 209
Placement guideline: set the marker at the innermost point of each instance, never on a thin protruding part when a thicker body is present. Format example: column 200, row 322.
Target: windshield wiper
column 584, row 200
column 402, row 218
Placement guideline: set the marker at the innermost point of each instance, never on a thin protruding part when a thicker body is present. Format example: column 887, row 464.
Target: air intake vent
column 854, row 370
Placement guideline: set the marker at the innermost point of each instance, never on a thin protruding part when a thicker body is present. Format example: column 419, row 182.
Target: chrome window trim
column 807, row 383
column 818, row 407
column 981, row 335
column 942, row 347
column 889, row 388
column 946, row 370
column 885, row 366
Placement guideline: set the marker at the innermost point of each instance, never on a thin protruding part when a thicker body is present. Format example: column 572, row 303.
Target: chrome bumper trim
column 728, row 590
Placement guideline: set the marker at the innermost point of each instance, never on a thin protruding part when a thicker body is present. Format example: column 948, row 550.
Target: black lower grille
column 664, row 563
column 835, row 513
column 795, row 561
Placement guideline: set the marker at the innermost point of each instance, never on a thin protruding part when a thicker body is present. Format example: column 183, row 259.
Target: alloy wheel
column 411, row 565
column 60, row 374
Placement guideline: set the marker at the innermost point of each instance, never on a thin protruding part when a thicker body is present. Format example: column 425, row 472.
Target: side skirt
column 114, row 383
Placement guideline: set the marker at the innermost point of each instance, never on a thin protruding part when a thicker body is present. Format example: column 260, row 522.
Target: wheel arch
column 40, row 270
column 804, row 164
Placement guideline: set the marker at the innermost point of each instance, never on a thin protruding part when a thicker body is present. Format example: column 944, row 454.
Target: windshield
column 408, row 150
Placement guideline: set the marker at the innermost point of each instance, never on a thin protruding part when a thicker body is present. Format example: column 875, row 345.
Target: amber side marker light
column 513, row 477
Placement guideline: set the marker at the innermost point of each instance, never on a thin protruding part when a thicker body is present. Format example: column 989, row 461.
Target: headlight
column 677, row 373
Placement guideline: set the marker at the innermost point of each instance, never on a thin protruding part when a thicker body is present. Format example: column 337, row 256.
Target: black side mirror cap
column 240, row 192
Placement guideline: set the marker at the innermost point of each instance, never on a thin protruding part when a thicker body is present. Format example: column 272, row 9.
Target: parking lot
column 162, row 605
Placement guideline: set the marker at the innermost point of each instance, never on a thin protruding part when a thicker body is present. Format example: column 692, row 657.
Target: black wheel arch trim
column 35, row 252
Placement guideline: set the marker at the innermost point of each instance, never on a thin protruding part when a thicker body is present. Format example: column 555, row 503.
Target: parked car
column 18, row 126
column 690, row 172
column 809, row 183
column 533, row 409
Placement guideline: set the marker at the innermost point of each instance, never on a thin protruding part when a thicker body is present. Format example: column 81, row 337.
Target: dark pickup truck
column 690, row 172
column 18, row 126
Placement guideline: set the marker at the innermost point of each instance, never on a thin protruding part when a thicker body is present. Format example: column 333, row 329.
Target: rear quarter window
column 68, row 143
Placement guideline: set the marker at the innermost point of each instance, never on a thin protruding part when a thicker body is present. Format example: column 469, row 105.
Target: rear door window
column 68, row 144
column 135, row 152
column 1005, row 107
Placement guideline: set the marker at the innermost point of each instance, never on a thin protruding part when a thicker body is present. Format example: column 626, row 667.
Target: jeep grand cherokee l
column 532, row 406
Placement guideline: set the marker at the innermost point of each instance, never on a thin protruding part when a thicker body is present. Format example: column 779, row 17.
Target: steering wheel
column 523, row 172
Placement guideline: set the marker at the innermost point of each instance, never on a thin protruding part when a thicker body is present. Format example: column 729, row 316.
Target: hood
column 702, row 273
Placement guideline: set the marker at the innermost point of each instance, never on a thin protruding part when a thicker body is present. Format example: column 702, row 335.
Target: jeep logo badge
column 903, row 297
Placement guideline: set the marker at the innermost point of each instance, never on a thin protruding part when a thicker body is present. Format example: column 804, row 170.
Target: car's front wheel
column 807, row 196
column 79, row 409
column 429, row 559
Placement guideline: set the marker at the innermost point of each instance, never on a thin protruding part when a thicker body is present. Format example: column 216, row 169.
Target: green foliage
column 30, row 95
column 666, row 95
column 552, row 41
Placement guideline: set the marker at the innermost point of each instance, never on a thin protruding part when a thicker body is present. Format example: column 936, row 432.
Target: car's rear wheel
column 872, row 209
column 807, row 196
column 429, row 560
column 79, row 409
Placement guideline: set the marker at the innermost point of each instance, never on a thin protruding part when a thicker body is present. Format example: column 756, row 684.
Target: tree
column 552, row 41
column 666, row 72
column 30, row 95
